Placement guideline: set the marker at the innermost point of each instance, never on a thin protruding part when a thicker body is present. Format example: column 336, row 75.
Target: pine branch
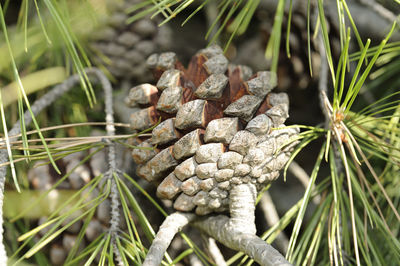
column 112, row 164
column 45, row 101
column 323, row 91
column 323, row 78
column 272, row 218
column 169, row 228
column 237, row 232
column 220, row 228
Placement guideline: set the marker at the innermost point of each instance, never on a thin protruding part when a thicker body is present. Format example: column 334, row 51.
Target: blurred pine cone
column 218, row 129
column 293, row 72
column 128, row 45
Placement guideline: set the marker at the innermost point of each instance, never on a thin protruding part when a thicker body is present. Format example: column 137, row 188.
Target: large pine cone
column 128, row 45
column 217, row 130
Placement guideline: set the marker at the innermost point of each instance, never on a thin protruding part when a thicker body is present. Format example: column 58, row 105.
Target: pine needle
column 10, row 156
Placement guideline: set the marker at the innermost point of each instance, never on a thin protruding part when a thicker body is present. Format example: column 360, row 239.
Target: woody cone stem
column 242, row 206
column 239, row 231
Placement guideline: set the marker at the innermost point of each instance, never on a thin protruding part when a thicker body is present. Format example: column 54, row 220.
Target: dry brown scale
column 128, row 45
column 220, row 126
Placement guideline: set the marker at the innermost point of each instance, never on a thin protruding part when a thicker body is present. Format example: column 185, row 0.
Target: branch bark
column 112, row 164
column 237, row 232
column 169, row 228
column 220, row 228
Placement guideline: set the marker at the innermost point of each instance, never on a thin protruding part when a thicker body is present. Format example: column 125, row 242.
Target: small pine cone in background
column 220, row 126
column 128, row 45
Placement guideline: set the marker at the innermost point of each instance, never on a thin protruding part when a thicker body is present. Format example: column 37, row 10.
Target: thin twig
column 327, row 111
column 304, row 179
column 379, row 9
column 67, row 126
column 36, row 108
column 215, row 252
column 272, row 218
column 112, row 164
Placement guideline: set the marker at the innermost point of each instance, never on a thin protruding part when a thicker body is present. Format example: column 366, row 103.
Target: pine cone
column 128, row 45
column 216, row 130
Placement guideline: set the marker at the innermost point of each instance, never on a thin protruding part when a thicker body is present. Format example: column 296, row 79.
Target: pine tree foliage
column 356, row 218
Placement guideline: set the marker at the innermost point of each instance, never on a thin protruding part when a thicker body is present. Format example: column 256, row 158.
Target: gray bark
column 237, row 232
column 169, row 228
column 220, row 228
